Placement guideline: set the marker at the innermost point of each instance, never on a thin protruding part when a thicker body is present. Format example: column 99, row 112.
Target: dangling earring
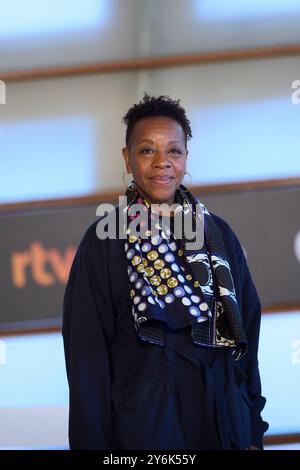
column 131, row 186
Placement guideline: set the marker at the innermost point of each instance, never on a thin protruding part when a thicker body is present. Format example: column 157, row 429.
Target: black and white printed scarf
column 173, row 285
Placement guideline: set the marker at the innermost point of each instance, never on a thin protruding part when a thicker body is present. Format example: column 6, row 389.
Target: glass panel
column 245, row 125
column 21, row 18
column 34, row 393
column 36, row 33
column 247, row 141
column 279, row 357
column 53, row 33
column 47, row 158
column 33, row 373
column 206, row 25
column 220, row 9
column 63, row 138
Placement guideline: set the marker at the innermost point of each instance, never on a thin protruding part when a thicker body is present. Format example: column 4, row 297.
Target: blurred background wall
column 71, row 70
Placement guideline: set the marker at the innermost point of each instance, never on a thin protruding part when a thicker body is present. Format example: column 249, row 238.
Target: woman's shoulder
column 224, row 226
column 231, row 240
column 100, row 232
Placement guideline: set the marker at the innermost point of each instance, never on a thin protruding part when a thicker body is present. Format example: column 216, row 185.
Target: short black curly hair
column 150, row 106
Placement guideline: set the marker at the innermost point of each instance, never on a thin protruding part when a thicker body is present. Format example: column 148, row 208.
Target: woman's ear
column 125, row 153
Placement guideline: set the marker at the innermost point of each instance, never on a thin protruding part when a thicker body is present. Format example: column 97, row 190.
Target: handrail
column 152, row 62
column 113, row 196
column 282, row 439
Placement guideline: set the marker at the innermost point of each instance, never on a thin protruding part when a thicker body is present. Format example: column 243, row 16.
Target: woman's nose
column 161, row 159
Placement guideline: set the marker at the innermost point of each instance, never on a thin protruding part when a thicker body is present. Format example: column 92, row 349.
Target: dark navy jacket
column 129, row 394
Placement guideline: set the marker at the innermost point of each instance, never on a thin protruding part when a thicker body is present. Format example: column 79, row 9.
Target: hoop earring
column 190, row 176
column 131, row 186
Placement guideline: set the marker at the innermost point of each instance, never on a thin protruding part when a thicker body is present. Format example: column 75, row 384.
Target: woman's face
column 156, row 156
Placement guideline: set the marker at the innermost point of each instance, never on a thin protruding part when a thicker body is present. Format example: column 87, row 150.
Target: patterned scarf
column 170, row 284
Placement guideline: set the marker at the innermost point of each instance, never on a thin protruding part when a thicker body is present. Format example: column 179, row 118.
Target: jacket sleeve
column 251, row 313
column 250, row 308
column 86, row 344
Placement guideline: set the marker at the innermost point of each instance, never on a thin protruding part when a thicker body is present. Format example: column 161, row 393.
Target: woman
column 161, row 337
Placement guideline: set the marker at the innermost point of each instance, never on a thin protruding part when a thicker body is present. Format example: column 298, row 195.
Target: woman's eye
column 175, row 150
column 146, row 150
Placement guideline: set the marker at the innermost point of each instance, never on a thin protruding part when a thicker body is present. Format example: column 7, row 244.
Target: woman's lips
column 161, row 179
